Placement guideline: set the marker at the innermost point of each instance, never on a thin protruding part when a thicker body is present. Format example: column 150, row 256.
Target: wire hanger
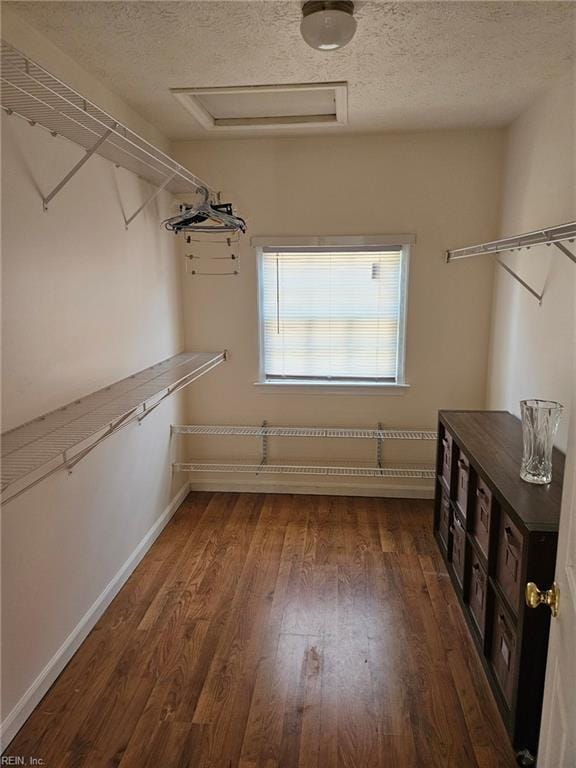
column 196, row 218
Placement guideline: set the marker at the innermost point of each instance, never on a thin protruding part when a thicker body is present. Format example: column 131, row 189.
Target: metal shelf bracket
column 264, row 457
column 114, row 426
column 74, row 171
column 523, row 283
column 153, row 196
column 379, row 445
column 566, row 251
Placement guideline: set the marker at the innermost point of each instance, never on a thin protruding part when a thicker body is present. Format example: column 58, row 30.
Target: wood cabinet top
column 492, row 440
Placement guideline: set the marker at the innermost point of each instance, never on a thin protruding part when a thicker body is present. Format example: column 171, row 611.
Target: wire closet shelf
column 306, row 469
column 30, row 91
column 265, row 431
column 557, row 236
column 262, row 431
column 63, row 437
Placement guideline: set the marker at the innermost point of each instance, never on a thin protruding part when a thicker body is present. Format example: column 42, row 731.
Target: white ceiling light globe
column 328, row 25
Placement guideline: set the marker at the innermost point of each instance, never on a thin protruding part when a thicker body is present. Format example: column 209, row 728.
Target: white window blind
column 332, row 314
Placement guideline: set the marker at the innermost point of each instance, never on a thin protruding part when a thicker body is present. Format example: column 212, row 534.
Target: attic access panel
column 267, row 106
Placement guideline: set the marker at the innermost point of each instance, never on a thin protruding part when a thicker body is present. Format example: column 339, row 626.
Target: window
column 333, row 314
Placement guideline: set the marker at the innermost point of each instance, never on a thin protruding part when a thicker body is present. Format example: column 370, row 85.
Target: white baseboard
column 334, row 489
column 32, row 697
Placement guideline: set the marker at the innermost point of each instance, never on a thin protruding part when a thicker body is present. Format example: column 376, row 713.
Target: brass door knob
column 549, row 597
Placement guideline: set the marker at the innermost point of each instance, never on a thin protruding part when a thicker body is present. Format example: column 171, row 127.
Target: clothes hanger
column 195, row 218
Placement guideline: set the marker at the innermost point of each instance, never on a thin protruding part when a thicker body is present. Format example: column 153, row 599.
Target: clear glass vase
column 539, row 424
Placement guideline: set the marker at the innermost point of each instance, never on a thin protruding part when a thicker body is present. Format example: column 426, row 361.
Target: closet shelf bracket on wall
column 557, row 236
column 89, row 152
column 264, row 459
column 64, row 437
column 42, row 99
column 146, row 203
column 379, row 446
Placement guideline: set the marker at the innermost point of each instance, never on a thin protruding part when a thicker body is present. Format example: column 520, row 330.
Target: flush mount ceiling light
column 328, row 24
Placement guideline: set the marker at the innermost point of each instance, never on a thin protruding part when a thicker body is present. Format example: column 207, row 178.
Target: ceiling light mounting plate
column 313, row 6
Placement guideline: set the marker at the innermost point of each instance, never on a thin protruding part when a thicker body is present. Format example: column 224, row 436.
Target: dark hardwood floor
column 277, row 631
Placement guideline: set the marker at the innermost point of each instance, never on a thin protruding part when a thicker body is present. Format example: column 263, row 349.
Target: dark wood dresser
column 496, row 533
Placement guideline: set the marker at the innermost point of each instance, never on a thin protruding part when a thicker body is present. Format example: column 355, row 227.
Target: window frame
column 322, row 386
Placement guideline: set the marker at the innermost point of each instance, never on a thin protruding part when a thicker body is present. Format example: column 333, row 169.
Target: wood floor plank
column 52, row 724
column 313, row 669
column 358, row 724
column 277, row 631
column 168, row 695
column 225, row 697
column 387, row 649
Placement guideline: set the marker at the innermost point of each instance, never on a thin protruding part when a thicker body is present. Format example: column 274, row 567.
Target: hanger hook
column 204, row 191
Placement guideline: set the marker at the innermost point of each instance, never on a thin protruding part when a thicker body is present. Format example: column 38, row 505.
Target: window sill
column 309, row 388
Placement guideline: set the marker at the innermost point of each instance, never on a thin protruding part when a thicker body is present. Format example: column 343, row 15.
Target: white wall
column 443, row 187
column 84, row 303
column 533, row 347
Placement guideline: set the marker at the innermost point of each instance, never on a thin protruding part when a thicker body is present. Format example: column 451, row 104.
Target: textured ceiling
column 411, row 65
